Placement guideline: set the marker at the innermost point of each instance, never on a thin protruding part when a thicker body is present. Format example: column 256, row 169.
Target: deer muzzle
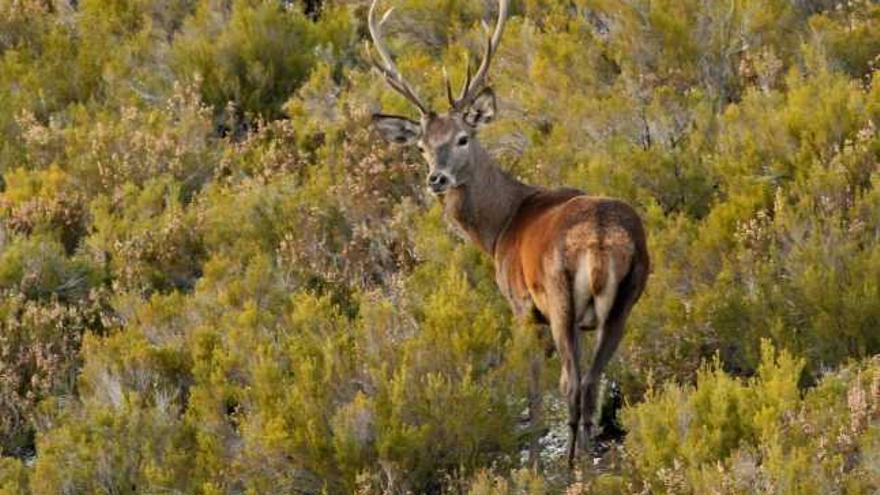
column 438, row 182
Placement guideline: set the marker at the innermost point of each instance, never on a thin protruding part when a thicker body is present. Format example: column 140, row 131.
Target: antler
column 472, row 86
column 387, row 66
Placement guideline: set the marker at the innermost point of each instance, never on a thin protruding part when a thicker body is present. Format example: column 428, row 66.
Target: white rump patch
column 605, row 300
column 584, row 311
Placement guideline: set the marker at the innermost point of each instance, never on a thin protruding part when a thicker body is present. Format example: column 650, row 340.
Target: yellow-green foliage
column 13, row 477
column 252, row 52
column 761, row 435
column 214, row 278
column 731, row 435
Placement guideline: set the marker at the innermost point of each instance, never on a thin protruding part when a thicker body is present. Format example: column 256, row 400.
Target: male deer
column 561, row 257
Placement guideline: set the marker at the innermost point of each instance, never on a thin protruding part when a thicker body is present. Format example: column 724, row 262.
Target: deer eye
column 463, row 140
column 420, row 147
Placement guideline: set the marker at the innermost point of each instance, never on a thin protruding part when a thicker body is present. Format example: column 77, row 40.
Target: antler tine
column 387, row 67
column 472, row 86
column 467, row 83
column 448, row 87
column 400, row 86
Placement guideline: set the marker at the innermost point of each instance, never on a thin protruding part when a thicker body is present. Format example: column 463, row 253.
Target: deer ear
column 482, row 110
column 397, row 130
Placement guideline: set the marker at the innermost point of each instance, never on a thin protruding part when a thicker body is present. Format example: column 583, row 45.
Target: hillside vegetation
column 216, row 279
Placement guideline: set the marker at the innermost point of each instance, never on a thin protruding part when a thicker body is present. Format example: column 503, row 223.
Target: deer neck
column 484, row 205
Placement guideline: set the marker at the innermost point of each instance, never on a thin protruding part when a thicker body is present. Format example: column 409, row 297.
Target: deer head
column 447, row 141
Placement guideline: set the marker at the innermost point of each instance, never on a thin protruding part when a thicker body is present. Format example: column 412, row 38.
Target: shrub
column 215, row 278
column 147, row 237
column 253, row 54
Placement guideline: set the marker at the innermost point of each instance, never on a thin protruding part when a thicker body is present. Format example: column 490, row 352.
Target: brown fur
column 572, row 223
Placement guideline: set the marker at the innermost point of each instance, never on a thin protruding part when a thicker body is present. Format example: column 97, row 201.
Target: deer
column 562, row 258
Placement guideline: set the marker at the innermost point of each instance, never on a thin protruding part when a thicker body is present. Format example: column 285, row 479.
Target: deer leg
column 611, row 329
column 608, row 338
column 536, row 410
column 536, row 333
column 565, row 337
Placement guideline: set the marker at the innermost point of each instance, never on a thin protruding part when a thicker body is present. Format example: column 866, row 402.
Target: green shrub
column 253, row 54
column 757, row 436
column 147, row 237
column 215, row 278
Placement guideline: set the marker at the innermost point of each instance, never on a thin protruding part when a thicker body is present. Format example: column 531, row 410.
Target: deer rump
column 565, row 242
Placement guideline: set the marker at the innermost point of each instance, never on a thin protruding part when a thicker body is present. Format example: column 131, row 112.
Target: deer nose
column 438, row 181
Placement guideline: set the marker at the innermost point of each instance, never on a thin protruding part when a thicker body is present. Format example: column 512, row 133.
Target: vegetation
column 215, row 279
